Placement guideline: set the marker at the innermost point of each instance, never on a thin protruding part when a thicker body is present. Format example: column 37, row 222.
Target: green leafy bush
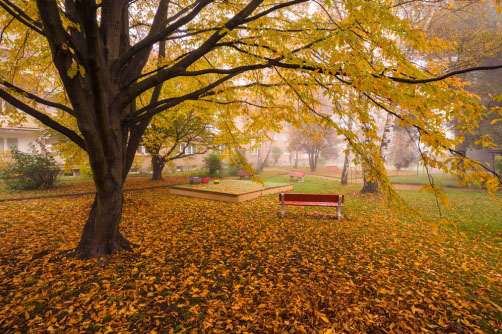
column 32, row 170
column 498, row 164
column 214, row 164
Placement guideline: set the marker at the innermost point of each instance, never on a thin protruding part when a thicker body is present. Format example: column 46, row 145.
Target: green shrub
column 32, row 170
column 214, row 164
column 498, row 164
column 233, row 167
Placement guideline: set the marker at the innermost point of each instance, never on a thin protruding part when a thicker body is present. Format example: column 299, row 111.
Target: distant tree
column 316, row 141
column 294, row 143
column 346, row 160
column 176, row 135
column 371, row 186
column 498, row 164
column 276, row 154
column 403, row 151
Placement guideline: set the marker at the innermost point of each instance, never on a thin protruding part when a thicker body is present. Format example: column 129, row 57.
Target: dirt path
column 14, row 199
column 403, row 186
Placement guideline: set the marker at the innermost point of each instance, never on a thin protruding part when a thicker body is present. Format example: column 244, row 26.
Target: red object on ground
column 330, row 200
column 333, row 168
column 299, row 175
column 242, row 174
column 204, row 180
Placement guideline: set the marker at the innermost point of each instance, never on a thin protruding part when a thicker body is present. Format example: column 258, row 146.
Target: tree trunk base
column 158, row 166
column 370, row 188
column 157, row 177
column 87, row 250
column 101, row 235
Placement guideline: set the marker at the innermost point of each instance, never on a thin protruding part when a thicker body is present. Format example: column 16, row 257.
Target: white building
column 19, row 136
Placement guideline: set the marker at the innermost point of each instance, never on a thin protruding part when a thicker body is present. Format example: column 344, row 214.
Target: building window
column 12, row 143
column 141, row 150
column 188, row 149
column 254, row 151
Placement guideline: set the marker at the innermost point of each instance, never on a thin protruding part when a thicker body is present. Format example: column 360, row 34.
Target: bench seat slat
column 299, row 197
column 298, row 203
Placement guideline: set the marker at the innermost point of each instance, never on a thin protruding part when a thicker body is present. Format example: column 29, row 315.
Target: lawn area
column 215, row 267
column 85, row 184
column 405, row 176
column 231, row 186
column 442, row 180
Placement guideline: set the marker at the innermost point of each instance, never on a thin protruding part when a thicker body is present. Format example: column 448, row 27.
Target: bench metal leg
column 339, row 208
column 282, row 214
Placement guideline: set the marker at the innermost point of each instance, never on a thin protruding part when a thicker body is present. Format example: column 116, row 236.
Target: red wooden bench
column 328, row 200
column 332, row 168
column 204, row 180
column 242, row 174
column 298, row 175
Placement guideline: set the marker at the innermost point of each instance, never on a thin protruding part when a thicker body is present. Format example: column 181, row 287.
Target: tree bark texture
column 101, row 235
column 313, row 158
column 158, row 166
column 346, row 166
column 346, row 161
column 388, row 132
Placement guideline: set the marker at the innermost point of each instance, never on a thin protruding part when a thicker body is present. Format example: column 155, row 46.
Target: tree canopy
column 101, row 65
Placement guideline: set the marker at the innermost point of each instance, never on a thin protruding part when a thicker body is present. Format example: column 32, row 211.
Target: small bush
column 32, row 170
column 233, row 167
column 498, row 164
column 214, row 164
column 199, row 173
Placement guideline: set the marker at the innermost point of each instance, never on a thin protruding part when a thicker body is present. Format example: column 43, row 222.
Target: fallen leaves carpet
column 215, row 267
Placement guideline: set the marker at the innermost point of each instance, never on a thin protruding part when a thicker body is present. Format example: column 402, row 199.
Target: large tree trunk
column 388, row 131
column 158, row 166
column 296, row 160
column 101, row 235
column 369, row 186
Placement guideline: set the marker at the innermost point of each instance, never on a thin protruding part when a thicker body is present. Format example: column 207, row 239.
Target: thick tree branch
column 171, row 102
column 155, row 37
column 193, row 56
column 445, row 76
column 43, row 118
column 21, row 16
column 37, row 98
column 272, row 9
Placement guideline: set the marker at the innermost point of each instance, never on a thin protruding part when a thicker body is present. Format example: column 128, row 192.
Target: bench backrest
column 243, row 173
column 327, row 198
column 299, row 174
